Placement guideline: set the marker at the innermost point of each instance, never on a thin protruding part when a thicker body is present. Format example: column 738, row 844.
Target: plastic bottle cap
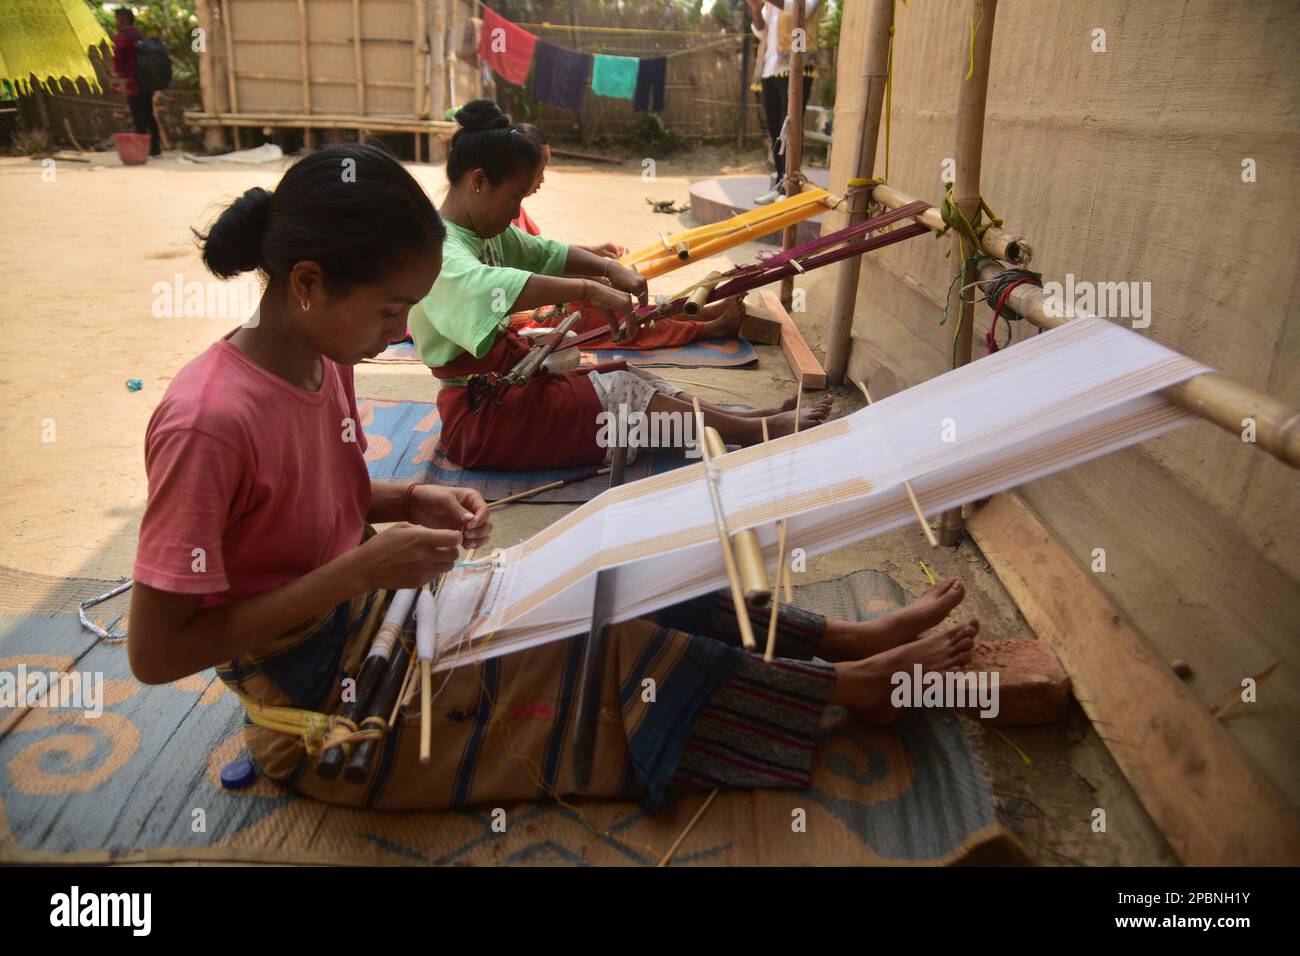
column 237, row 774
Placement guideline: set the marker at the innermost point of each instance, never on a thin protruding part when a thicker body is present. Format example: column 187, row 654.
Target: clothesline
column 562, row 76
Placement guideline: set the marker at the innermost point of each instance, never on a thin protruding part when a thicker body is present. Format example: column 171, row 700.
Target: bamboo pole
column 358, row 66
column 793, row 136
column 874, row 75
column 227, row 29
column 971, row 100
column 724, row 537
column 749, row 556
column 419, row 56
column 1212, row 396
column 213, row 137
column 309, row 137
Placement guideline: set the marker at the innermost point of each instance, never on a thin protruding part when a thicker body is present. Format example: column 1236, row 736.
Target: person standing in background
column 773, row 24
column 139, row 100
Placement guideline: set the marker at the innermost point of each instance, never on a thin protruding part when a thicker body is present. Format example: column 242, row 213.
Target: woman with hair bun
column 492, row 269
column 256, row 555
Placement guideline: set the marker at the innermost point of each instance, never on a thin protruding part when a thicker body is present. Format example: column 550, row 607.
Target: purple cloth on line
column 650, row 79
column 560, row 76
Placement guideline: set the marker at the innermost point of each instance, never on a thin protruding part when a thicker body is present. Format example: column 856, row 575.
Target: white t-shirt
column 773, row 61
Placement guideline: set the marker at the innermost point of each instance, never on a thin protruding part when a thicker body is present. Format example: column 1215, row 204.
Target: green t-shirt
column 480, row 280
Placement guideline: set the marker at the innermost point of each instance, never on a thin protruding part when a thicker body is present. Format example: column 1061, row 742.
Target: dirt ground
column 84, row 253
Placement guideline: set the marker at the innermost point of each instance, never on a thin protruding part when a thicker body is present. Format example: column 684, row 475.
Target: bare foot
column 854, row 640
column 783, row 422
column 865, row 686
column 786, row 406
column 723, row 323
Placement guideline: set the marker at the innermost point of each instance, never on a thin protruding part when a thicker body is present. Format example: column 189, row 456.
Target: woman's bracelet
column 406, row 502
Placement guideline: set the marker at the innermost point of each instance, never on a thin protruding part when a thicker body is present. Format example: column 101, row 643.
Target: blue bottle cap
column 237, row 774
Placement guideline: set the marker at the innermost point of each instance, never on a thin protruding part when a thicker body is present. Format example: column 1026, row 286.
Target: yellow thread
column 1012, row 743
column 928, row 573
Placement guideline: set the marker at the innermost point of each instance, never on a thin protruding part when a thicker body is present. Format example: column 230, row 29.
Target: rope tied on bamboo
column 996, row 293
column 954, row 218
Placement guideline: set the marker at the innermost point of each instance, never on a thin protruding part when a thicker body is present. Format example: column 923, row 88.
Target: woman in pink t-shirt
column 256, row 555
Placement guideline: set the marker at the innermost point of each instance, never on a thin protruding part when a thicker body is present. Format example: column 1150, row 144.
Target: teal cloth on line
column 614, row 76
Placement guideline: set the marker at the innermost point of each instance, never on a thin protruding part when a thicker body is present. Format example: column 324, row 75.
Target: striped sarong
column 682, row 704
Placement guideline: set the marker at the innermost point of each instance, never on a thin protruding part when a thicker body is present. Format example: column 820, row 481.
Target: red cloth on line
column 510, row 51
column 256, row 472
column 525, row 222
column 666, row 333
column 548, row 423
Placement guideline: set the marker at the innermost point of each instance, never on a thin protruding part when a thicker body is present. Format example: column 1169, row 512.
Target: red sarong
column 550, row 422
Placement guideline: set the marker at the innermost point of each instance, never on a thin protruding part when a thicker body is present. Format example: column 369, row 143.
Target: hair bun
column 483, row 114
column 234, row 242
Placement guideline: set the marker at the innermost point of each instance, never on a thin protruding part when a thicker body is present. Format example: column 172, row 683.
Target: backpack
column 153, row 67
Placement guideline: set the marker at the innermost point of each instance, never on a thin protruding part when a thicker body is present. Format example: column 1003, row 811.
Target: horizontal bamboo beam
column 398, row 124
column 1212, row 396
column 335, row 80
column 324, row 41
column 997, row 242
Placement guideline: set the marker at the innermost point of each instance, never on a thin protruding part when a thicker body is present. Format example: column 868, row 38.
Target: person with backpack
column 142, row 67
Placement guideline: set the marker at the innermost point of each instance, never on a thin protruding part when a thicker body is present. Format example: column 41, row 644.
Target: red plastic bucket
column 132, row 148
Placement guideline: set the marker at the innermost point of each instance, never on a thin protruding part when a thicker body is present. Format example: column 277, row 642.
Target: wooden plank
column 807, row 370
column 1211, row 807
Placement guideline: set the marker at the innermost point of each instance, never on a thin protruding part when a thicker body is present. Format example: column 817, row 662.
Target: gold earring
column 306, row 305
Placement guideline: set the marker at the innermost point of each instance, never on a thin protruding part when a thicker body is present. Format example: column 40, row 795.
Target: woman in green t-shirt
column 491, row 269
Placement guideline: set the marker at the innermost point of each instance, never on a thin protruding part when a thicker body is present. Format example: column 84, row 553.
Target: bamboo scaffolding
column 971, row 101
column 874, row 74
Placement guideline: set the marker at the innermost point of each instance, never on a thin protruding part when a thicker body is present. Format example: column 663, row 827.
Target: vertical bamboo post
column 793, row 135
column 214, row 137
column 863, row 133
column 358, row 67
column 227, row 33
column 309, row 138
column 971, row 101
column 746, row 68
column 421, row 51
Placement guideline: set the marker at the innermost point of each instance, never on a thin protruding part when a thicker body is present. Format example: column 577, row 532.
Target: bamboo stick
column 880, row 25
column 419, row 55
column 358, row 66
column 303, row 64
column 330, row 80
column 724, row 538
column 971, row 101
column 770, row 647
column 687, row 829
column 793, row 138
column 723, row 243
column 227, row 28
column 320, row 121
column 749, row 556
column 207, row 72
column 907, row 486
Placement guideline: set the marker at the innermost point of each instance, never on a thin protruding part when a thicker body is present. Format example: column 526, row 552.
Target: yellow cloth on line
column 48, row 39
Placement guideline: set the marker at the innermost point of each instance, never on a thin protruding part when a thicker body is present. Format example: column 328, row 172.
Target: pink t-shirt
column 268, row 480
